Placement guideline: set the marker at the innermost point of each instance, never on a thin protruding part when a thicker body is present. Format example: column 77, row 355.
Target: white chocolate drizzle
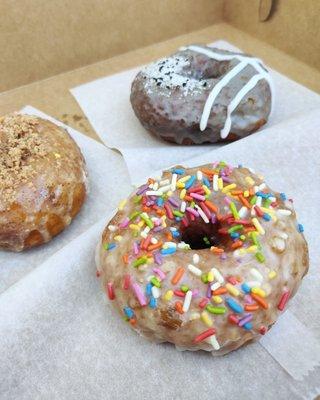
column 243, row 62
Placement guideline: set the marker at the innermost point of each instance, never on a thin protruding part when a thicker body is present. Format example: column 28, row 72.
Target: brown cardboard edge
column 53, row 97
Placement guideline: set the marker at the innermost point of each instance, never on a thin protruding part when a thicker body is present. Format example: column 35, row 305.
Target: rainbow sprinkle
column 164, row 210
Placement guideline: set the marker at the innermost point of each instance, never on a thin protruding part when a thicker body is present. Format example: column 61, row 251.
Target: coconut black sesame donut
column 202, row 95
column 205, row 258
column 43, row 181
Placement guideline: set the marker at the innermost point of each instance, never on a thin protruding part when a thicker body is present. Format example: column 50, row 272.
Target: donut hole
column 212, row 73
column 206, row 73
column 207, row 70
column 199, row 235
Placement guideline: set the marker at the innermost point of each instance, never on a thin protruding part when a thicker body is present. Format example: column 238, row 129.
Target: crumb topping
column 20, row 145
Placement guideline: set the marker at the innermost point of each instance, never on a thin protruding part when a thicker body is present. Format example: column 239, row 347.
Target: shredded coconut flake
column 169, row 73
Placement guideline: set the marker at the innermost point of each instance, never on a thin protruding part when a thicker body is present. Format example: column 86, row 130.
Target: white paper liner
column 313, row 394
column 60, row 338
column 106, row 170
column 288, row 156
column 106, row 104
column 293, row 345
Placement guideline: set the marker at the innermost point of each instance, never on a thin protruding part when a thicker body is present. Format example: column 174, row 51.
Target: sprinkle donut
column 205, row 258
column 202, row 95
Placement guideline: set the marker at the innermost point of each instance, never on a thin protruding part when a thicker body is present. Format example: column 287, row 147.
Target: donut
column 202, row 95
column 43, row 181
column 205, row 258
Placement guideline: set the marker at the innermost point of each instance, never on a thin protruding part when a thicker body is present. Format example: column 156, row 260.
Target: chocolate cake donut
column 205, row 258
column 43, row 181
column 202, row 95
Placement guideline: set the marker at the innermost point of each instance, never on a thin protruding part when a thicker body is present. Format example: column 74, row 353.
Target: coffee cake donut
column 42, row 181
column 205, row 258
column 202, row 95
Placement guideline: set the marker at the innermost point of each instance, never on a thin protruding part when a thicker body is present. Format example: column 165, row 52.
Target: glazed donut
column 205, row 258
column 202, row 95
column 43, row 181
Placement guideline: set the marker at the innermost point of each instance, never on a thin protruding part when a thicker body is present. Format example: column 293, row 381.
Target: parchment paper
column 61, row 339
column 106, row 104
column 106, row 169
column 288, row 156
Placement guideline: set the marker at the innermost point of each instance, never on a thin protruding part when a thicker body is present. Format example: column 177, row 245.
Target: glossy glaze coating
column 240, row 281
column 169, row 96
column 43, row 181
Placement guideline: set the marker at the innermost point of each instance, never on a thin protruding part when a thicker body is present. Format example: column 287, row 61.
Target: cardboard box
column 61, row 35
column 49, row 47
